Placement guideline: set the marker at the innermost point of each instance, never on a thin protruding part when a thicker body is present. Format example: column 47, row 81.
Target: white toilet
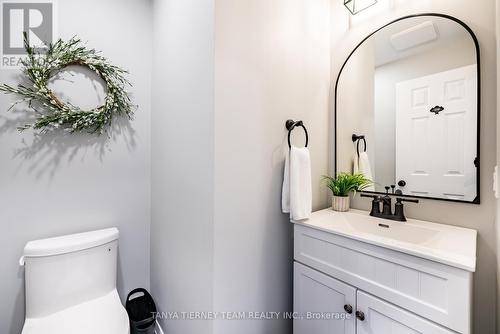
column 71, row 285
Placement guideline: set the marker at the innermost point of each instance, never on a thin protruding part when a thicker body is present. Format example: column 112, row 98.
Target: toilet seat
column 104, row 315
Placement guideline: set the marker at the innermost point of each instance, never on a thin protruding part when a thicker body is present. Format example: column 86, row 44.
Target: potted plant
column 341, row 187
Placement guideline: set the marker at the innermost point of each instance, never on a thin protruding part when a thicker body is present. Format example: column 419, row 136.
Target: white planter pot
column 341, row 204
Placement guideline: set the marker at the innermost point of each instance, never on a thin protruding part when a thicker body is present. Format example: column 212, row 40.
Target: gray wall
column 182, row 160
column 480, row 16
column 59, row 184
column 498, row 164
column 221, row 99
column 272, row 63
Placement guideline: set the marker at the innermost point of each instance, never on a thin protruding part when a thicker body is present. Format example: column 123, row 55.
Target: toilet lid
column 104, row 315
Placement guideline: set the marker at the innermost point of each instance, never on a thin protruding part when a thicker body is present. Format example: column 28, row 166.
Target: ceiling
column 446, row 30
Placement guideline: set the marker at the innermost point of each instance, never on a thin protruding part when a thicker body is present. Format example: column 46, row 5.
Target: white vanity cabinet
column 383, row 317
column 413, row 277
column 328, row 306
column 320, row 299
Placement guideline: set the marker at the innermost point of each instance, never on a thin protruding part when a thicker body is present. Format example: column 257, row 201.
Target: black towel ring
column 358, row 139
column 290, row 125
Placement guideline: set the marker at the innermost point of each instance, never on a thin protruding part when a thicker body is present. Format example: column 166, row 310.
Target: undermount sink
column 446, row 244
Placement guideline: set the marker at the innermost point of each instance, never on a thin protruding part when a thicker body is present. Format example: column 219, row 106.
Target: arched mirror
column 407, row 104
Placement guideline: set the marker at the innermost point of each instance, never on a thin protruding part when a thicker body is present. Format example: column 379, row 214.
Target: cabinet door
column 380, row 317
column 320, row 302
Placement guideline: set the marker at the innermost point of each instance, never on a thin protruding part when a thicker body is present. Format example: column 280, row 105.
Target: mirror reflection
column 407, row 110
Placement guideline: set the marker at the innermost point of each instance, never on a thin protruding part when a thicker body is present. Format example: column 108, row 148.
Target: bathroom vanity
column 407, row 117
column 357, row 274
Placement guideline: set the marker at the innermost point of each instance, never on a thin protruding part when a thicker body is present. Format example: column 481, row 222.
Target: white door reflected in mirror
column 437, row 158
column 411, row 89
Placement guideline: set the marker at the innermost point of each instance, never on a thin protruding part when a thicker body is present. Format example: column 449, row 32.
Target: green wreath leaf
column 51, row 112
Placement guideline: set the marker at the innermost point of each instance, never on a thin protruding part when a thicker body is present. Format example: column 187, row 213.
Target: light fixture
column 356, row 6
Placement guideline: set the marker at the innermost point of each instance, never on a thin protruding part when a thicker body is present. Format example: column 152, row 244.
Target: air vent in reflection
column 420, row 34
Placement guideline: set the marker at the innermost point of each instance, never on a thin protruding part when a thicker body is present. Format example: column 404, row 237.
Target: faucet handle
column 375, row 204
column 399, row 214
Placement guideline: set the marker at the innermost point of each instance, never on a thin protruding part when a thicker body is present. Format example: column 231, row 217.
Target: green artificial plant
column 344, row 183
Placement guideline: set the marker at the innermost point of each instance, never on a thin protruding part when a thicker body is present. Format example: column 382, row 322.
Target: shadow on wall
column 43, row 153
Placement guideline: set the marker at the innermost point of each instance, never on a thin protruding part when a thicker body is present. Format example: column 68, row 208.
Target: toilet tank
column 65, row 271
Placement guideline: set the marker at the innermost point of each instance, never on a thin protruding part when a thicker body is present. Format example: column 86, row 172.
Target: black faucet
column 386, row 213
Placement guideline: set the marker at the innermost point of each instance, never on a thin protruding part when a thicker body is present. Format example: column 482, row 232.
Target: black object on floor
column 141, row 311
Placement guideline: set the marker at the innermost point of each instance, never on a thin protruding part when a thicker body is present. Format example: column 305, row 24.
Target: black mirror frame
column 478, row 148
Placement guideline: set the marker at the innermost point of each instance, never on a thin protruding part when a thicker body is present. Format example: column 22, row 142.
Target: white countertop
column 450, row 245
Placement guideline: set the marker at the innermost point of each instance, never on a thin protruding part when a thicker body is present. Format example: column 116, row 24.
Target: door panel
column 384, row 318
column 319, row 300
column 435, row 152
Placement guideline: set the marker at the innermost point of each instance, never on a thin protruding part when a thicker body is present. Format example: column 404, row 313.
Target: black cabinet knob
column 360, row 315
column 348, row 308
column 402, row 183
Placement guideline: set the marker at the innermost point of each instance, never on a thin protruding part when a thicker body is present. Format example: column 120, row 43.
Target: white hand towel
column 297, row 186
column 362, row 166
column 285, row 191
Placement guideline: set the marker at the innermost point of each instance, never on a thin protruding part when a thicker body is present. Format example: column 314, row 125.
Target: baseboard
column 158, row 329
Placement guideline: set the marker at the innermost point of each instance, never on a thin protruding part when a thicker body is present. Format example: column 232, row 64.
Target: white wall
column 272, row 63
column 182, row 160
column 58, row 184
column 480, row 16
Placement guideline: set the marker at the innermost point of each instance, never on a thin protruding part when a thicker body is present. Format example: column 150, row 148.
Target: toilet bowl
column 71, row 285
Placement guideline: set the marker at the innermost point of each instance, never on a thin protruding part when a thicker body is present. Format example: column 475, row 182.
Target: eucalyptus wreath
column 50, row 112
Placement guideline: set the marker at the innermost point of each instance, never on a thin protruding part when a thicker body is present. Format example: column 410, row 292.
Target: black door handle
column 360, row 315
column 436, row 110
column 348, row 308
column 402, row 183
